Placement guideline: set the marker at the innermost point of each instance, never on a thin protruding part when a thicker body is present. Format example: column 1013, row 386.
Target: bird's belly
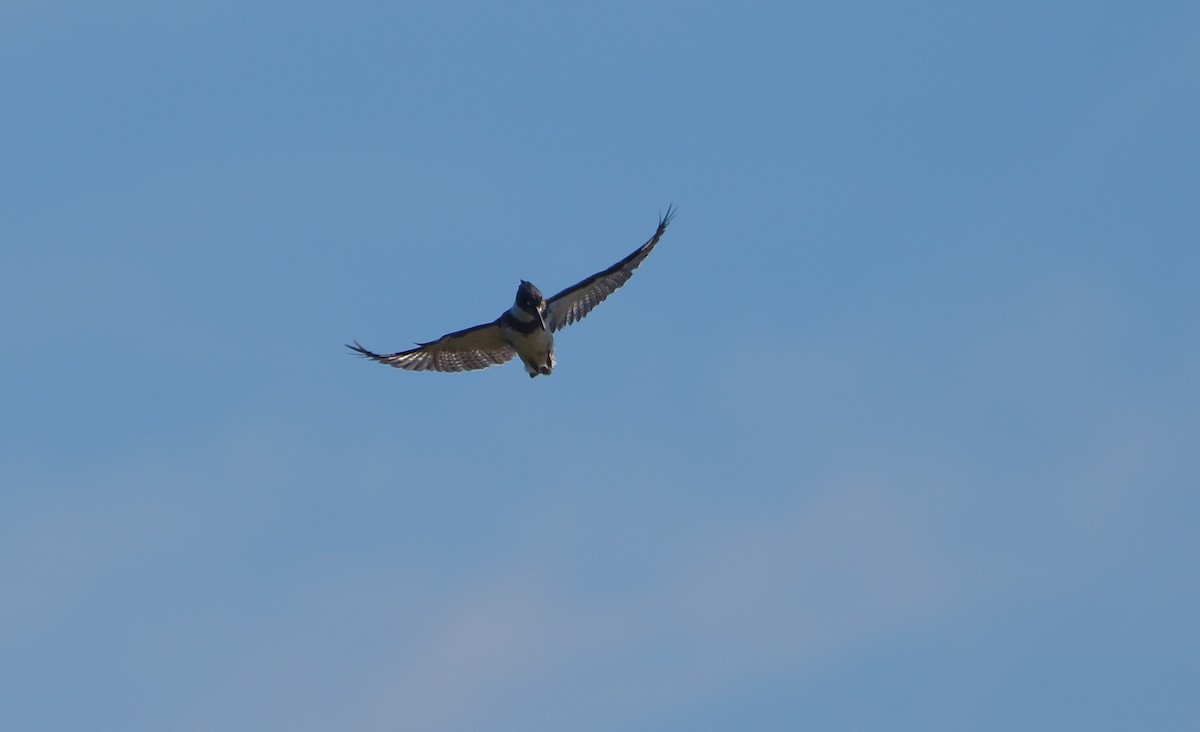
column 536, row 349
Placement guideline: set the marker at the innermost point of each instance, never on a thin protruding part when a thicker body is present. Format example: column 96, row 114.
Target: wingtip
column 665, row 219
column 359, row 350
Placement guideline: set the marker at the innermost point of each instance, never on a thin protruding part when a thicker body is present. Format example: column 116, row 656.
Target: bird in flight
column 526, row 329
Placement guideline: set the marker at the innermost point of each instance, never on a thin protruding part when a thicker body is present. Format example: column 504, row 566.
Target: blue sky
column 898, row 427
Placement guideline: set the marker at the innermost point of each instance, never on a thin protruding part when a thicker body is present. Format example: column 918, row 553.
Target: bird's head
column 529, row 299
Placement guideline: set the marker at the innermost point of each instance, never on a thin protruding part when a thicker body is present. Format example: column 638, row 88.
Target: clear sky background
column 899, row 427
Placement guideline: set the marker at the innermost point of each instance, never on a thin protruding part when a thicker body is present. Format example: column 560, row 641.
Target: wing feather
column 573, row 303
column 469, row 349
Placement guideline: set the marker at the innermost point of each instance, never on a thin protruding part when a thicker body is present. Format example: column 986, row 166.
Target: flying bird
column 526, row 329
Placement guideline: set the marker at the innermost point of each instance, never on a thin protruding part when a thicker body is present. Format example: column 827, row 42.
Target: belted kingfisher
column 526, row 329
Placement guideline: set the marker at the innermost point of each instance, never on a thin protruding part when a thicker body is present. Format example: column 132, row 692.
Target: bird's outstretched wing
column 578, row 300
column 463, row 350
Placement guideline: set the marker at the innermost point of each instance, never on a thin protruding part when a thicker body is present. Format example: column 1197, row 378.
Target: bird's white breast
column 536, row 347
